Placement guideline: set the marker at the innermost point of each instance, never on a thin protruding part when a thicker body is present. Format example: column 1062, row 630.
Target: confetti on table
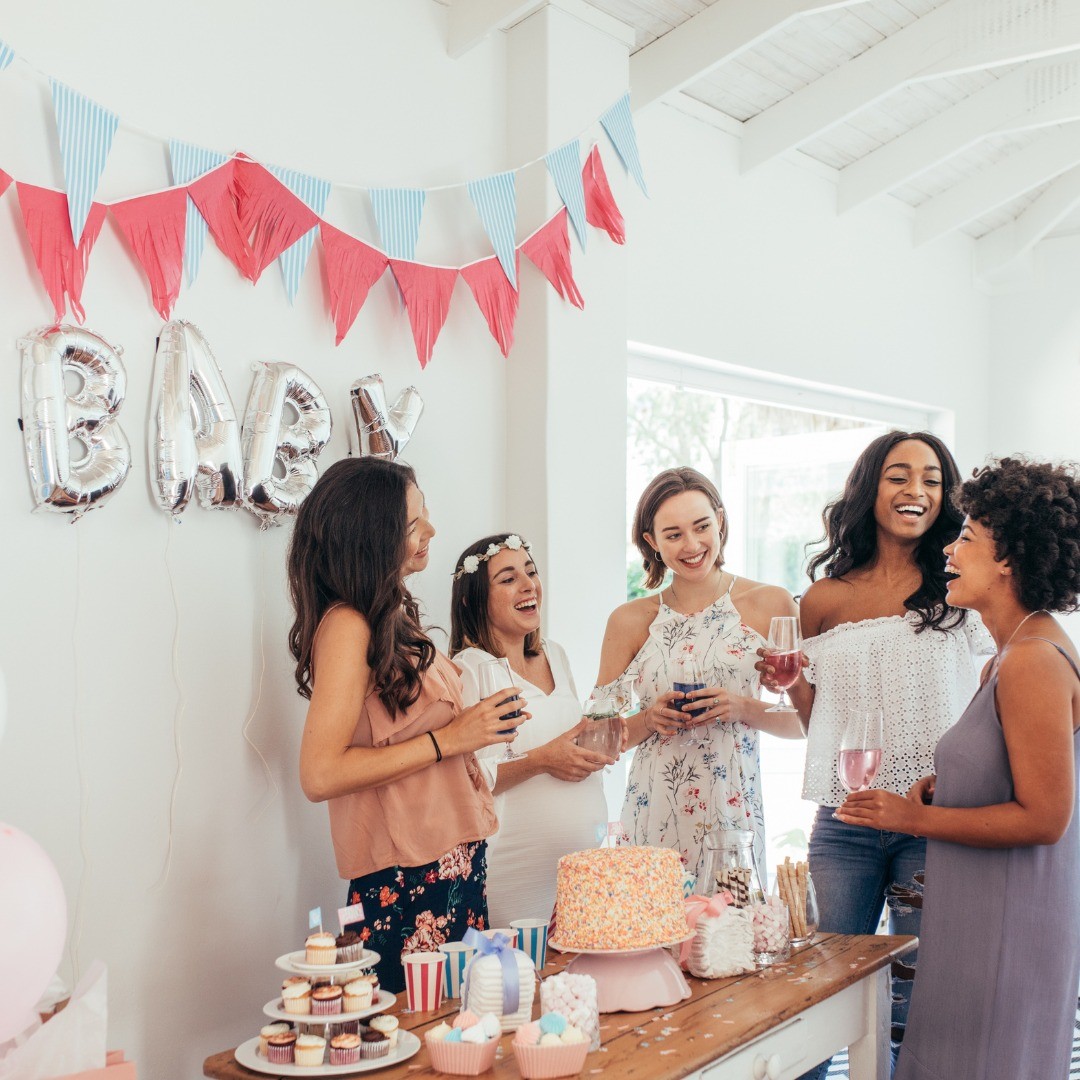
column 622, row 1027
column 667, row 1016
column 707, row 1035
column 668, row 1030
column 716, row 1016
column 664, row 1053
column 603, row 1049
column 593, row 1072
column 643, row 1045
column 729, row 1021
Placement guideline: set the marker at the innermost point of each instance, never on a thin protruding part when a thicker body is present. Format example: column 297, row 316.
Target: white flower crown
column 471, row 563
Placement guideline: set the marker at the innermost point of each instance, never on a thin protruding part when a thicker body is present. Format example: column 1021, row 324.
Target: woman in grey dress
column 999, row 955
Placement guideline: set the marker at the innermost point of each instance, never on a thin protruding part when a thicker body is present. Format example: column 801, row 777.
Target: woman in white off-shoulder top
column 877, row 632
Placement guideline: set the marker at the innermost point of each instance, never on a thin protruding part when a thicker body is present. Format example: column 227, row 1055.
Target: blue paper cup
column 532, row 939
column 456, row 959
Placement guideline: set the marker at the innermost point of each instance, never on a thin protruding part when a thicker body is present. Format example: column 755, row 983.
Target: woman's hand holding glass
column 664, row 716
column 565, row 760
column 720, row 705
column 483, row 724
column 769, row 676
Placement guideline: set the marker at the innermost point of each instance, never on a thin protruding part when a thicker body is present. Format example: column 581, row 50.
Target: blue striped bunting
column 7, row 54
column 314, row 192
column 188, row 163
column 86, row 133
column 397, row 213
column 564, row 164
column 619, row 124
column 495, row 199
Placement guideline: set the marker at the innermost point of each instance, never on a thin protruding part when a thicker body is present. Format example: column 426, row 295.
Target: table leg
column 869, row 1058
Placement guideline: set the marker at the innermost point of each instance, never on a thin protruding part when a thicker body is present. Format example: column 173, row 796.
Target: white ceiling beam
column 998, row 252
column 959, row 36
column 709, row 39
column 470, row 21
column 1035, row 95
column 1008, row 179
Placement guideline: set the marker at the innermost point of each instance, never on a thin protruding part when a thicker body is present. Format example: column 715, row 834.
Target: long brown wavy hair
column 349, row 547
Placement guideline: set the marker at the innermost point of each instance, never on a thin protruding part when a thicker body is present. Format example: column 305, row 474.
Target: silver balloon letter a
column 195, row 437
column 279, row 456
column 52, row 419
column 382, row 432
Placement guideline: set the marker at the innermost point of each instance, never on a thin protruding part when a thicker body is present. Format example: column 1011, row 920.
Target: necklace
column 1041, row 611
column 719, row 591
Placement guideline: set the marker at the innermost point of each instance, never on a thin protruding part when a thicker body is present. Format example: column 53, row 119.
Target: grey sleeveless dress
column 999, row 950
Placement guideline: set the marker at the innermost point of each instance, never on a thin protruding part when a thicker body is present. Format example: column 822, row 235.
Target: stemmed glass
column 860, row 749
column 495, row 675
column 689, row 677
column 783, row 653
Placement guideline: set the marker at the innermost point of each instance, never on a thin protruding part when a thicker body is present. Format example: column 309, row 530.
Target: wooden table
column 781, row 1022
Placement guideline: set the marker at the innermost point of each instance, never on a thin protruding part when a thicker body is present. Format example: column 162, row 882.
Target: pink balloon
column 33, row 926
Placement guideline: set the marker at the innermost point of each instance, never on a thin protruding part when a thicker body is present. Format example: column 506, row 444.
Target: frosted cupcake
column 326, row 1000
column 373, row 1044
column 320, row 948
column 388, row 1025
column 349, row 947
column 358, row 995
column 271, row 1029
column 310, row 1050
column 344, row 1049
column 296, row 996
column 281, row 1047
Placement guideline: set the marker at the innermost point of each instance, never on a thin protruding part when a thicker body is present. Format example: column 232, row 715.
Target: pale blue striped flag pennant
column 189, row 163
column 564, row 164
column 619, row 124
column 314, row 192
column 495, row 199
column 397, row 213
column 86, row 133
column 7, row 54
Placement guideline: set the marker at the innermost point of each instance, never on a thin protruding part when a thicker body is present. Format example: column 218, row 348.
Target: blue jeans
column 853, row 867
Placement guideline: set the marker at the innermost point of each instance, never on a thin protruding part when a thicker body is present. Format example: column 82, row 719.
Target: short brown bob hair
column 661, row 488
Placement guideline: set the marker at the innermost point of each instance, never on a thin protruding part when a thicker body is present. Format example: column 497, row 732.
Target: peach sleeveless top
column 419, row 818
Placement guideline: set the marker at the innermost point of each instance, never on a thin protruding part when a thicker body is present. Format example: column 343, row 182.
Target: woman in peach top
column 387, row 743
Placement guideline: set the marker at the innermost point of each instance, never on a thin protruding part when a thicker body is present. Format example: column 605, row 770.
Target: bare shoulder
column 769, row 600
column 819, row 604
column 627, row 629
column 342, row 627
column 1034, row 661
column 634, row 615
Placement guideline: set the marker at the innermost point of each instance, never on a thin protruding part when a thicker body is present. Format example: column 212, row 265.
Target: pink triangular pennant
column 496, row 298
column 549, row 249
column 153, row 226
column 600, row 209
column 427, row 292
column 215, row 196
column 48, row 227
column 271, row 216
column 352, row 267
column 5, row 181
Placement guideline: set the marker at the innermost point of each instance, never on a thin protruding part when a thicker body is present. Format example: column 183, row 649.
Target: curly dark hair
column 851, row 529
column 1032, row 508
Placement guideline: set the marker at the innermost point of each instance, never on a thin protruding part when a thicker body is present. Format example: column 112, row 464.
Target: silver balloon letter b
column 52, row 419
column 279, row 456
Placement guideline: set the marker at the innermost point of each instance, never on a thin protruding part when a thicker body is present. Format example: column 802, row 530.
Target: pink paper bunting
column 214, row 195
column 48, row 227
column 549, row 249
column 272, row 218
column 600, row 209
column 153, row 226
column 427, row 292
column 352, row 267
column 5, row 181
column 496, row 298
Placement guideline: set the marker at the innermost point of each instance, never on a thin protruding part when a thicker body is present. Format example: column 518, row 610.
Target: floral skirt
column 416, row 908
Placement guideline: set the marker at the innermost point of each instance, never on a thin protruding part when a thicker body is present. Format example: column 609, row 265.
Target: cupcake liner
column 325, row 1006
column 357, row 1004
column 309, row 1057
column 349, row 1055
column 323, row 956
column 298, row 1006
column 348, row 953
column 548, row 1062
column 371, row 1050
column 461, row 1058
column 280, row 1055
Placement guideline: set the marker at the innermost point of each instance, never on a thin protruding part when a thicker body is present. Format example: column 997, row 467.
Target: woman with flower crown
column 550, row 802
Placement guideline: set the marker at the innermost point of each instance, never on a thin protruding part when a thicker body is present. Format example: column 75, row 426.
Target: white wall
column 756, row 270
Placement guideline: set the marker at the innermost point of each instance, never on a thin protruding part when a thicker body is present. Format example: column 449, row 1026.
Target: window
column 778, row 450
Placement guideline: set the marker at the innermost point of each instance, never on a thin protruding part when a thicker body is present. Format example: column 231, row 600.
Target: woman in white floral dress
column 693, row 774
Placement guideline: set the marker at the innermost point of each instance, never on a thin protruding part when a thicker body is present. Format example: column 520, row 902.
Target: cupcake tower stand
column 247, row 1054
column 631, row 980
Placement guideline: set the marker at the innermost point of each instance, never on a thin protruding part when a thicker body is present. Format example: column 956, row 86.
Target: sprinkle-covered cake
column 619, row 898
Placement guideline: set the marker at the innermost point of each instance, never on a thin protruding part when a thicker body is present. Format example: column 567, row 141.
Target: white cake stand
column 631, row 980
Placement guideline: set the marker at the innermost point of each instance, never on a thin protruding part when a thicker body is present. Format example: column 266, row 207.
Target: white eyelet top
column 922, row 682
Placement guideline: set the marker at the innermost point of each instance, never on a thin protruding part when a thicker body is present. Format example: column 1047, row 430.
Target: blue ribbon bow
column 499, row 946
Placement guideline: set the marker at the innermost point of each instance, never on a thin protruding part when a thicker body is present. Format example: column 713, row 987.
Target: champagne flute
column 495, row 675
column 688, row 677
column 783, row 653
column 603, row 732
column 860, row 749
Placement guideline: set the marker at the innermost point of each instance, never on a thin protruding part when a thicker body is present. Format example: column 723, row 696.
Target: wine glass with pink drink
column 860, row 749
column 784, row 654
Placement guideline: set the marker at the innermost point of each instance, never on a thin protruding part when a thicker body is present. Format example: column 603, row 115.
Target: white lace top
column 922, row 682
